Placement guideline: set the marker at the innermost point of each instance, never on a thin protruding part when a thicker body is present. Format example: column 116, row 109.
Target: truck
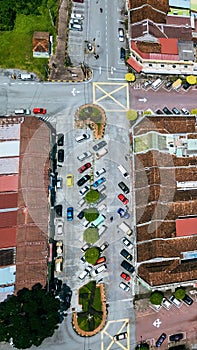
column 125, row 228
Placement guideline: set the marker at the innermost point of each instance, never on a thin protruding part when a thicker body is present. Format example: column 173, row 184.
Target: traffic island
column 94, row 312
column 92, row 116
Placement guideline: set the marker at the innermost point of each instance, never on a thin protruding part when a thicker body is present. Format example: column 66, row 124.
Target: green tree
column 91, row 235
column 156, row 298
column 179, row 293
column 92, row 254
column 131, row 114
column 91, row 214
column 92, row 196
column 29, row 317
column 194, row 111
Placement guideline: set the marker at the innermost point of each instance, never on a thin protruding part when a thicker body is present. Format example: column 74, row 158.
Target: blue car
column 99, row 182
column 123, row 213
column 70, row 213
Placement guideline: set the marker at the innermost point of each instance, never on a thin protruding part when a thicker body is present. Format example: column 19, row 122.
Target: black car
column 160, row 340
column 58, row 210
column 176, row 337
column 81, row 215
column 122, row 53
column 125, row 264
column 60, row 155
column 187, row 300
column 60, row 139
column 83, row 180
column 159, row 111
column 126, row 254
column 123, row 187
column 166, row 110
column 176, row 110
column 186, row 86
column 99, row 146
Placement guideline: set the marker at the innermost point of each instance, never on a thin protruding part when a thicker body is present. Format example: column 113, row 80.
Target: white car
column 120, row 336
column 85, row 247
column 99, row 269
column 166, row 303
column 128, row 243
column 124, row 286
column 60, row 228
column 100, row 172
column 84, row 156
column 102, row 229
column 175, row 301
column 82, row 137
column 121, row 34
column 84, row 190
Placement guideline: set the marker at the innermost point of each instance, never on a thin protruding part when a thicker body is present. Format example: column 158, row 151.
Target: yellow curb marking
column 125, row 322
column 120, row 86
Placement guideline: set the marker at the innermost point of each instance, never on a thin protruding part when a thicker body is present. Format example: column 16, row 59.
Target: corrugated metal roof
column 9, row 148
column 9, row 131
column 186, row 227
column 9, row 183
column 9, row 165
column 135, row 65
column 7, row 275
column 7, row 237
column 8, row 219
column 8, row 200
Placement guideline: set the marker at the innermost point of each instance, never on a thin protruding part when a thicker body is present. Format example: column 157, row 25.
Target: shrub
column 91, row 235
column 131, row 114
column 194, row 111
column 156, row 298
column 92, row 196
column 91, row 214
column 179, row 293
column 92, row 254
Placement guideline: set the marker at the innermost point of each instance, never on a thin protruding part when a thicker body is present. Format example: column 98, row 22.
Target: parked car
column 167, row 111
column 103, row 246
column 125, row 276
column 176, row 111
column 60, row 139
column 86, row 272
column 123, row 213
column 85, row 247
column 186, row 86
column 122, row 53
column 185, row 111
column 84, row 190
column 100, row 172
column 126, row 254
column 101, row 188
column 58, row 210
column 70, row 180
column 39, row 111
column 159, row 111
column 83, row 180
column 82, row 137
column 123, row 199
column 175, row 301
column 99, row 269
column 127, row 243
column 120, row 336
column 121, row 34
column 176, row 337
column 123, row 187
column 80, row 215
column 102, row 198
column 84, row 167
column 99, row 182
column 100, row 260
column 147, row 84
column 124, row 286
column 99, row 145
column 70, row 213
column 166, row 303
column 127, row 266
column 187, row 300
column 60, row 155
column 84, row 156
column 160, row 340
column 168, row 85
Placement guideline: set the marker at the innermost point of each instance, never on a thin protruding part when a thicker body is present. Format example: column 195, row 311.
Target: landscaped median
column 94, row 313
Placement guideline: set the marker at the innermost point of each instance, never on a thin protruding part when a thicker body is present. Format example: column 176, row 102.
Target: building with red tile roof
column 166, row 200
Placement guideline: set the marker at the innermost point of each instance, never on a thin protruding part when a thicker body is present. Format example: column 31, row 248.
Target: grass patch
column 97, row 304
column 16, row 45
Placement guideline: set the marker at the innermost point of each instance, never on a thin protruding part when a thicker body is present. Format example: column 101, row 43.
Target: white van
column 125, row 228
column 123, row 171
column 157, row 83
column 101, row 153
column 22, row 111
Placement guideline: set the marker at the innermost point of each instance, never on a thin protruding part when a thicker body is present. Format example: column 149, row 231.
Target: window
column 150, row 65
column 173, row 66
column 162, row 65
column 185, row 66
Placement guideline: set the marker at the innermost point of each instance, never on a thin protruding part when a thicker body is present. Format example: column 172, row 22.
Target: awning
column 134, row 64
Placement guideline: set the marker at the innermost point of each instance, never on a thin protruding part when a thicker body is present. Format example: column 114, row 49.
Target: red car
column 125, row 276
column 84, row 167
column 123, row 199
column 39, row 111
